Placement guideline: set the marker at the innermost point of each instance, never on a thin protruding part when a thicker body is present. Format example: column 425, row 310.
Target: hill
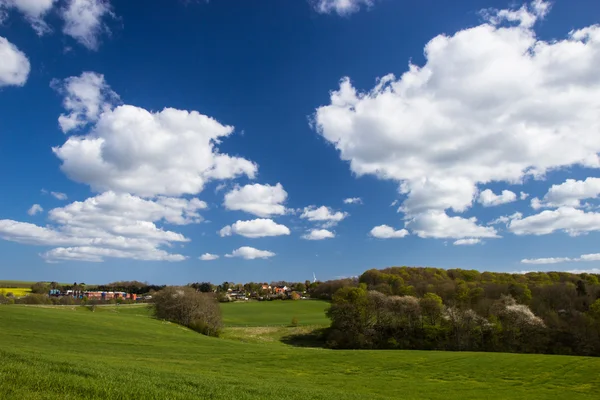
column 119, row 352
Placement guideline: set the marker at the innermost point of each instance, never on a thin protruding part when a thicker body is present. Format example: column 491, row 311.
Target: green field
column 274, row 313
column 122, row 353
column 15, row 284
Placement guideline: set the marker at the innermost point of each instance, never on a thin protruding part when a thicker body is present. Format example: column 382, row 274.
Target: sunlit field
column 121, row 352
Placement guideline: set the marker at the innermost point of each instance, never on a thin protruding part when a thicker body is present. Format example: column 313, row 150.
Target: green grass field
column 122, row 353
column 275, row 313
column 16, row 284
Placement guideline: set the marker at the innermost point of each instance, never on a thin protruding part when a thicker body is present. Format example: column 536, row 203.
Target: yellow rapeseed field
column 17, row 292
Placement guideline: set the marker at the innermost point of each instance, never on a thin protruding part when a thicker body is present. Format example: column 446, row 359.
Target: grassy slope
column 120, row 353
column 275, row 313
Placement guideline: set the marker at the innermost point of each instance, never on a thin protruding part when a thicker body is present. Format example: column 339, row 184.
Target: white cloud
column 488, row 198
column 171, row 152
column 523, row 195
column 256, row 228
column 208, row 257
column 558, row 260
column 585, row 271
column 109, row 225
column 59, row 195
column 353, row 200
column 466, row 242
column 437, row 224
column 505, row 219
column 319, row 234
column 257, row 199
column 85, row 97
column 570, row 220
column 84, row 21
column 97, row 254
column 33, row 10
column 340, row 7
column 250, row 253
column 387, row 232
column 549, row 260
column 492, row 103
column 14, row 68
column 35, row 209
column 569, row 193
column 323, row 214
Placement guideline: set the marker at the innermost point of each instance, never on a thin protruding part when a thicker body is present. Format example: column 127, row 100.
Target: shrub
column 187, row 307
column 294, row 321
column 34, row 298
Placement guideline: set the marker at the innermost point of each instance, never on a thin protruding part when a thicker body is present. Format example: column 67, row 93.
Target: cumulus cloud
column 569, row 194
column 353, row 200
column 549, row 260
column 109, row 225
column 208, row 257
column 323, row 214
column 466, row 242
column 257, row 199
column 439, row 225
column 566, row 219
column 558, row 260
column 487, row 198
column 523, row 195
column 59, row 195
column 34, row 12
column 340, row 7
column 505, row 219
column 14, row 68
column 319, row 234
column 85, row 97
column 84, row 21
column 256, row 228
column 35, row 209
column 130, row 149
column 585, row 271
column 488, row 105
column 250, row 253
column 387, row 232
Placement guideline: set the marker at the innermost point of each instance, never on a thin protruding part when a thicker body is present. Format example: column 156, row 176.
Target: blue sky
column 151, row 136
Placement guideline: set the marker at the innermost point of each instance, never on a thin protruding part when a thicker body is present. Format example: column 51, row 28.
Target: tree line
column 430, row 308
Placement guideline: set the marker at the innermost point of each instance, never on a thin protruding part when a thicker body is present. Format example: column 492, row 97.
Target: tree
column 595, row 309
column 301, row 287
column 40, row 288
column 432, row 307
column 187, row 307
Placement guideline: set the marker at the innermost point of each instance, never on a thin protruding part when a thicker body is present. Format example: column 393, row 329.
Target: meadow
column 274, row 313
column 120, row 352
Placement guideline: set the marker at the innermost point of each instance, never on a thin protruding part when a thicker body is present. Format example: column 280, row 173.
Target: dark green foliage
column 537, row 312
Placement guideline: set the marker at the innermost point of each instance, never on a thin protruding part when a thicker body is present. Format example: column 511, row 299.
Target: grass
column 15, row 284
column 120, row 353
column 275, row 313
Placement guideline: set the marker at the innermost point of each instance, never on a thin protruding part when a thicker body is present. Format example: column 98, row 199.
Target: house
column 281, row 289
column 266, row 288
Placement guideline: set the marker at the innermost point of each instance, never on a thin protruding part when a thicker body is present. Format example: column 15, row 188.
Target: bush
column 185, row 306
column 34, row 298
column 294, row 321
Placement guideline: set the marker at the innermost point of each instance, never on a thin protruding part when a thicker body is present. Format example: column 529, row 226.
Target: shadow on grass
column 315, row 338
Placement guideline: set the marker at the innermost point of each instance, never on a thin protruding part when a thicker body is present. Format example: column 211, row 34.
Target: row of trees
column 427, row 308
